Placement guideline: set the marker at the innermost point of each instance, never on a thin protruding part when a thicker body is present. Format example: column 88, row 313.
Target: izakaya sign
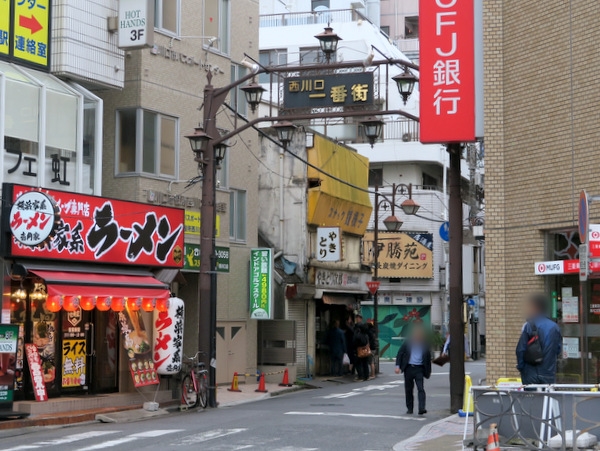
column 58, row 225
column 261, row 274
column 447, row 70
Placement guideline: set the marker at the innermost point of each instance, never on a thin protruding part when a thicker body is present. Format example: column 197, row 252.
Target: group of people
column 358, row 343
column 538, row 350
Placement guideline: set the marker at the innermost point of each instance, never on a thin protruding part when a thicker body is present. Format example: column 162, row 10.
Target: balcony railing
column 407, row 45
column 311, row 17
column 405, row 130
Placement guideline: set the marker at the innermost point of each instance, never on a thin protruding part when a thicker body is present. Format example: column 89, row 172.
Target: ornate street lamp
column 406, row 83
column 410, row 207
column 253, row 92
column 285, row 131
column 328, row 40
column 392, row 223
column 198, row 141
column 372, row 128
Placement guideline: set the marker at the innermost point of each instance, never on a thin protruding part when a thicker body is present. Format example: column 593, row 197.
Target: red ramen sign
column 69, row 226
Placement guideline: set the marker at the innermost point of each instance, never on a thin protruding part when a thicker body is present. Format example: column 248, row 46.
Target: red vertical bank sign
column 447, row 70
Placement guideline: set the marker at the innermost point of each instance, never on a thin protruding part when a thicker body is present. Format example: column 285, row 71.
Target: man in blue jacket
column 550, row 340
column 414, row 360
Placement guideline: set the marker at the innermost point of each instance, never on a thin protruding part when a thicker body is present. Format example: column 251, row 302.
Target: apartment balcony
column 310, row 18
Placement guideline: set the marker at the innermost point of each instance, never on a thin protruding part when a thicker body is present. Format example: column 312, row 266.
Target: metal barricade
column 528, row 416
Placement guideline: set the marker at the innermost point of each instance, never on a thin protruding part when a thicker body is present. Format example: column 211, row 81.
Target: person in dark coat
column 414, row 360
column 361, row 339
column 337, row 349
column 350, row 350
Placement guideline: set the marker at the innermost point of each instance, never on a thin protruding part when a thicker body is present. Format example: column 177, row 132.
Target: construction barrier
column 493, row 443
column 235, row 384
column 261, row 385
column 468, row 408
column 285, row 382
column 534, row 417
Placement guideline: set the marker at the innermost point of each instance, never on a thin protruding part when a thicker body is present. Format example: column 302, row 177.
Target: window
column 376, row 177
column 274, row 57
column 217, row 21
column 321, row 4
column 429, row 182
column 314, row 55
column 237, row 215
column 411, row 27
column 385, row 29
column 147, row 143
column 167, row 15
column 223, row 172
column 238, row 98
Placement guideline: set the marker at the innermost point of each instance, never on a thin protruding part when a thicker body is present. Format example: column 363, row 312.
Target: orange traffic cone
column 286, row 379
column 234, row 383
column 493, row 439
column 261, row 385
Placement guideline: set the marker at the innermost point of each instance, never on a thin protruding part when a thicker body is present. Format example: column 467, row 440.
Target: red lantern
column 134, row 304
column 103, row 303
column 71, row 303
column 88, row 302
column 54, row 303
column 148, row 304
column 117, row 304
column 162, row 304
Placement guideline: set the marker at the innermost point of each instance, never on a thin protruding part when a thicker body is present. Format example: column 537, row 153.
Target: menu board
column 143, row 372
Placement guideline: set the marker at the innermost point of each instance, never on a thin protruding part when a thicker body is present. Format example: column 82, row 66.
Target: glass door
column 105, row 356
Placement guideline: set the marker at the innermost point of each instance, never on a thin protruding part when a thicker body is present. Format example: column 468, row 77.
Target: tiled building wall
column 542, row 140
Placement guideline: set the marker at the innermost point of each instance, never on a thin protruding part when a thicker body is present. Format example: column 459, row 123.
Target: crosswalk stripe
column 355, row 415
column 130, row 438
column 209, row 435
column 63, row 440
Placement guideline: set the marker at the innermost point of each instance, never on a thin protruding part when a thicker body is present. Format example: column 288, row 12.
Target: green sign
column 9, row 335
column 192, row 258
column 261, row 274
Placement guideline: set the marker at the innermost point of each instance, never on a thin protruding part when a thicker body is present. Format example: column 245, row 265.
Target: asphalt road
column 353, row 416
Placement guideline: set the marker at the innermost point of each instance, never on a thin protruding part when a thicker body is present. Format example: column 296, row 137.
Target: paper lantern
column 71, row 303
column 117, row 304
column 88, row 302
column 103, row 303
column 148, row 304
column 134, row 304
column 162, row 304
column 54, row 303
column 168, row 337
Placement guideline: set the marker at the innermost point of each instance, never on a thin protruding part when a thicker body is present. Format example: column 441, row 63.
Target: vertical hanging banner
column 261, row 275
column 36, row 371
column 447, row 70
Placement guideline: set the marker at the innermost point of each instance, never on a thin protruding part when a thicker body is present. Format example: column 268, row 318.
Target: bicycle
column 194, row 385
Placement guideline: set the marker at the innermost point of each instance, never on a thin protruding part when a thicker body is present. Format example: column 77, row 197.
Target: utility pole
column 457, row 352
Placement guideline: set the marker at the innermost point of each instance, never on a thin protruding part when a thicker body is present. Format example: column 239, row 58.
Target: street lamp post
column 209, row 145
column 392, row 224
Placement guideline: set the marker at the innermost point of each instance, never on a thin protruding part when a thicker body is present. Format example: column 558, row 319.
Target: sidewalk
column 135, row 412
column 445, row 434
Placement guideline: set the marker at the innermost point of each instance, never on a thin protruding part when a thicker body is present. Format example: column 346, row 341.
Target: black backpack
column 534, row 353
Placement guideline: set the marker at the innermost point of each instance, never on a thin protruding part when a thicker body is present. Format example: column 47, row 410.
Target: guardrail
column 310, row 17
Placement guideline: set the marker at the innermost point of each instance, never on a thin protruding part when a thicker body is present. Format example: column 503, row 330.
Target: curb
column 424, row 431
column 293, row 389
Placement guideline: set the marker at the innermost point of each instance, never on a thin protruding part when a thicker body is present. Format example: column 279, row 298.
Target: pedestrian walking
column 337, row 348
column 363, row 351
column 414, row 360
column 540, row 344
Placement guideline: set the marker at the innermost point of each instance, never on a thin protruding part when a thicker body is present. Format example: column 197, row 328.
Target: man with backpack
column 540, row 344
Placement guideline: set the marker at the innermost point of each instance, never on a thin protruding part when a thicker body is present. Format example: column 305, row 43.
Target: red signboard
column 373, row 286
column 36, row 371
column 69, row 226
column 447, row 71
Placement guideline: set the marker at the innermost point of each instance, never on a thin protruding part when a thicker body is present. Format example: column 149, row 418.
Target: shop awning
column 62, row 283
column 339, row 299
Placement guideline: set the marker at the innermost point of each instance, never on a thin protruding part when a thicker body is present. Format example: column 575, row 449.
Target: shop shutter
column 296, row 311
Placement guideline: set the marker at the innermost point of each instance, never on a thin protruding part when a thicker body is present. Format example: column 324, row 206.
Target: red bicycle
column 194, row 385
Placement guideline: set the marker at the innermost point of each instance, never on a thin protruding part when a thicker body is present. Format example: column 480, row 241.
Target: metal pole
column 376, row 260
column 457, row 357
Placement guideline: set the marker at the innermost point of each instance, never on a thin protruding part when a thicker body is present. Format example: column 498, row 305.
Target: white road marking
column 340, row 395
column 130, row 438
column 355, row 415
column 209, row 435
column 293, row 448
column 63, row 440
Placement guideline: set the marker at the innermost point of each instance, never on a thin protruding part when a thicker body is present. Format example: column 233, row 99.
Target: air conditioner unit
column 406, row 137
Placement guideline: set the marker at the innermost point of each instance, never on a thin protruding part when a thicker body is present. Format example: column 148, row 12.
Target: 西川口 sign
column 79, row 227
column 318, row 91
column 192, row 258
column 25, row 32
column 261, row 275
column 401, row 255
column 447, row 70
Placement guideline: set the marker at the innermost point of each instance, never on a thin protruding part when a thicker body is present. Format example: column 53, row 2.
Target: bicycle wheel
column 203, row 390
column 189, row 397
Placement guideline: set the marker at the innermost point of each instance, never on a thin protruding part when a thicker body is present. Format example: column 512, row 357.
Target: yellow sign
column 73, row 371
column 407, row 255
column 328, row 211
column 4, row 27
column 31, row 31
column 192, row 223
